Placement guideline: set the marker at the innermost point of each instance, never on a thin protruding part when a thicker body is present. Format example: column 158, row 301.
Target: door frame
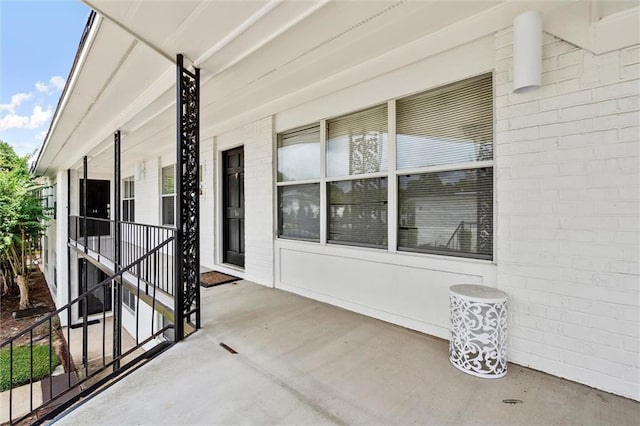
column 77, row 290
column 219, row 209
column 109, row 207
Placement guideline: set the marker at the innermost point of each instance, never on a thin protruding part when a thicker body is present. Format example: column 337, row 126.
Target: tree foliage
column 21, row 215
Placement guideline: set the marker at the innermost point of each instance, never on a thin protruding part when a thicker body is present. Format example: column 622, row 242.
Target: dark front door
column 98, row 203
column 233, row 207
column 99, row 300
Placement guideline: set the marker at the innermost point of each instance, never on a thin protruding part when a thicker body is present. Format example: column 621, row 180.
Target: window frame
column 128, row 200
column 300, row 182
column 167, row 195
column 443, row 252
column 328, row 213
column 130, row 299
column 468, row 165
column 393, row 173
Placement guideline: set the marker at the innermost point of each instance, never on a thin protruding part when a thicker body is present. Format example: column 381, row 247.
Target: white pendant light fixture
column 527, row 52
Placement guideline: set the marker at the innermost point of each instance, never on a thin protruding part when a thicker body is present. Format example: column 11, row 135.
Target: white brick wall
column 568, row 214
column 147, row 193
column 207, row 204
column 257, row 140
column 258, row 186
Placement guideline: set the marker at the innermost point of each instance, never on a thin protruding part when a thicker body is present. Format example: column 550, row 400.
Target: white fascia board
column 618, row 31
column 576, row 24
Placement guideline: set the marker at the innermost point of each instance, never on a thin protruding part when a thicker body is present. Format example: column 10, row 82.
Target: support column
column 85, row 305
column 117, row 283
column 187, row 294
column 85, row 177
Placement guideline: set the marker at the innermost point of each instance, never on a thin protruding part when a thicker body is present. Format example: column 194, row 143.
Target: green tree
column 21, row 221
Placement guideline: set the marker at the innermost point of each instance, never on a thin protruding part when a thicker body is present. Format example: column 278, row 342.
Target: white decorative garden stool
column 478, row 344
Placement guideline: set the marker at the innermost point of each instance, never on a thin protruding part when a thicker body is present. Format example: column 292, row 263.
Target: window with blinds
column 128, row 199
column 358, row 211
column 443, row 180
column 168, row 195
column 299, row 211
column 446, row 126
column 448, row 211
column 128, row 299
column 299, row 154
column 299, row 183
column 357, row 143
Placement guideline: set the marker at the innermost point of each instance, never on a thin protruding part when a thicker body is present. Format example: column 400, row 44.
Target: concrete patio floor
column 304, row 362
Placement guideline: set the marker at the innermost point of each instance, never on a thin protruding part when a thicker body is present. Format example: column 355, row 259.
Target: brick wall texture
column 568, row 202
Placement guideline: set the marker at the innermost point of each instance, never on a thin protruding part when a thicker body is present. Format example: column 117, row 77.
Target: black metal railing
column 136, row 239
column 85, row 369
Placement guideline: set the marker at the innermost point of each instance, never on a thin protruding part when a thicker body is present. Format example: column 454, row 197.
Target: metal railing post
column 117, row 283
column 85, row 305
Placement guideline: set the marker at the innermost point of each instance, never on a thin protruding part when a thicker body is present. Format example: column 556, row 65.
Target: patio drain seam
column 228, row 348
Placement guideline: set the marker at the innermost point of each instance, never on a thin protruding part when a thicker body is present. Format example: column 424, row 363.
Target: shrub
column 21, row 365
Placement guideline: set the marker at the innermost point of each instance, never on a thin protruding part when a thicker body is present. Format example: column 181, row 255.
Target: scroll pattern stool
column 478, row 344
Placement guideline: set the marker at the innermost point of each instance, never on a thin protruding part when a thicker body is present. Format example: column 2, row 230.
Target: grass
column 22, row 365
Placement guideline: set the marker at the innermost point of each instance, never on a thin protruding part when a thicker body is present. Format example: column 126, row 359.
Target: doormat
column 214, row 278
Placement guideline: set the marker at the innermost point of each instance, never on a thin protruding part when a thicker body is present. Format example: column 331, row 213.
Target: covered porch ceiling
column 256, row 58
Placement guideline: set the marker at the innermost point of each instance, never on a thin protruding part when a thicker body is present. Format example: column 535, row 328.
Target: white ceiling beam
column 92, row 4
column 128, row 118
column 239, row 30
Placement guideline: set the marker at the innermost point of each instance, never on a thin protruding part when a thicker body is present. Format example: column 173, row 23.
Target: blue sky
column 38, row 41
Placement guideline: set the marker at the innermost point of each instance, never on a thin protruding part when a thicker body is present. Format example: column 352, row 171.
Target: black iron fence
column 136, row 239
column 81, row 356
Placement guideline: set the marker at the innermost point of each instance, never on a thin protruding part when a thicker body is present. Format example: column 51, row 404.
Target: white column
column 62, row 235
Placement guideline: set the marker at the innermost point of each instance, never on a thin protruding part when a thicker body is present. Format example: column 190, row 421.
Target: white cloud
column 56, row 83
column 41, row 87
column 41, row 135
column 14, row 121
column 38, row 118
column 16, row 101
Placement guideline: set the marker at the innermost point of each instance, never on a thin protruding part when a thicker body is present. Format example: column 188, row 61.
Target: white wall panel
column 147, row 193
column 414, row 294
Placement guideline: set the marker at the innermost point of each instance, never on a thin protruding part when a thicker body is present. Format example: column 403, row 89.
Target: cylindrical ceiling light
column 527, row 52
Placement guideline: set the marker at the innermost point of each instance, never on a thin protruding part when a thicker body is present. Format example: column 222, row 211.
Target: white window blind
column 299, row 211
column 358, row 211
column 447, row 212
column 450, row 125
column 357, row 143
column 299, row 154
column 168, row 195
column 128, row 199
column 443, row 175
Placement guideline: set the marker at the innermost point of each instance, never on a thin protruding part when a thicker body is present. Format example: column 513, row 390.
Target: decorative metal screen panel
column 187, row 191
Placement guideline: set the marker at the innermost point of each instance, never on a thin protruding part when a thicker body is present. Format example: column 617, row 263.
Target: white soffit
column 252, row 53
column 256, row 58
column 108, row 81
